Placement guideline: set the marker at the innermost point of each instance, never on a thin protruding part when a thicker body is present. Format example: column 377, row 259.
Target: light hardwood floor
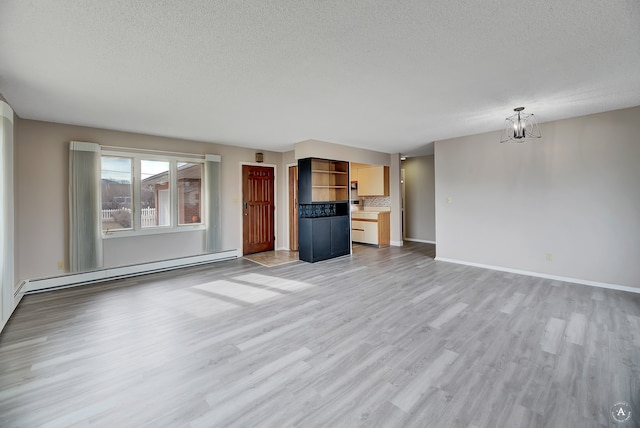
column 383, row 338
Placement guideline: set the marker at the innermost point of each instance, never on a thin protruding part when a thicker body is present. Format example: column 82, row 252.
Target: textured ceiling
column 385, row 75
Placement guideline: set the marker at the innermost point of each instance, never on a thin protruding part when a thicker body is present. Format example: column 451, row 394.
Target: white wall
column 419, row 204
column 574, row 194
column 42, row 204
column 6, row 212
column 395, row 194
column 323, row 149
column 149, row 248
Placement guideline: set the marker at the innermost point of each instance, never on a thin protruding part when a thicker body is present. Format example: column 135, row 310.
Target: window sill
column 152, row 231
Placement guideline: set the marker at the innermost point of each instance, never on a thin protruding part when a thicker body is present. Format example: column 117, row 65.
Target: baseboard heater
column 74, row 279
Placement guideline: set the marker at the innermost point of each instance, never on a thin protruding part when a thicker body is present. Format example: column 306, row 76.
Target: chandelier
column 520, row 127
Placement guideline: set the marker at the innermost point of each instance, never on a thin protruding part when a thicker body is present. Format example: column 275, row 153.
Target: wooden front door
column 293, row 208
column 258, row 209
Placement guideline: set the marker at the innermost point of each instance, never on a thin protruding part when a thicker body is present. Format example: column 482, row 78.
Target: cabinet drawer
column 368, row 215
column 357, row 235
column 364, row 231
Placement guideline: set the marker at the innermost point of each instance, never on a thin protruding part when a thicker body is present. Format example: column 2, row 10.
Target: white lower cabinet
column 357, row 235
column 370, row 227
column 364, row 231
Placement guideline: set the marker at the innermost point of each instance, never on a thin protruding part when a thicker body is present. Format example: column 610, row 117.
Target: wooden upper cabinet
column 373, row 181
column 322, row 180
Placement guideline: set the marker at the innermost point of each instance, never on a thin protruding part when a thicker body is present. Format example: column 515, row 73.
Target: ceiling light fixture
column 520, row 127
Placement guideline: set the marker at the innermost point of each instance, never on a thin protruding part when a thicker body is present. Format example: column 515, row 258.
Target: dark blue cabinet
column 323, row 209
column 323, row 238
column 340, row 235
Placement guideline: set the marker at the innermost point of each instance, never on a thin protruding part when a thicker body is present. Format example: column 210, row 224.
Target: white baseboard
column 19, row 293
column 396, row 243
column 544, row 275
column 420, row 240
column 71, row 280
column 17, row 296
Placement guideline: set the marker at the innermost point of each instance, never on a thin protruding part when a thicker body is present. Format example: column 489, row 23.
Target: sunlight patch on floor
column 195, row 304
column 273, row 282
column 245, row 293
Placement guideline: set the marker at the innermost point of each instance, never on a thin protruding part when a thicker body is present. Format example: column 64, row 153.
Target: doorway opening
column 293, row 208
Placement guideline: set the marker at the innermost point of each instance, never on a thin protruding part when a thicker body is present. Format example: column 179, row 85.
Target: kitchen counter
column 371, row 227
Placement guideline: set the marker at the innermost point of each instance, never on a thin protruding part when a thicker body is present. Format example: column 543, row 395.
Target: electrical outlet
column 549, row 257
column 61, row 265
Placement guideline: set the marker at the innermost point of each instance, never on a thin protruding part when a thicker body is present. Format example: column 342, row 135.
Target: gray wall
column 419, row 203
column 573, row 195
column 7, row 201
column 42, row 201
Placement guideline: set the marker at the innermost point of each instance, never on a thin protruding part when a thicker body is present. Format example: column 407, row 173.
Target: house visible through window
column 189, row 191
column 116, row 180
column 154, row 193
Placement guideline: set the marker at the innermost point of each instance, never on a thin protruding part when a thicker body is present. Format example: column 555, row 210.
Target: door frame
column 287, row 218
column 240, row 212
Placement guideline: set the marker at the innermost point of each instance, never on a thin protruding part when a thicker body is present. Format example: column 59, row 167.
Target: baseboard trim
column 19, row 293
column 39, row 285
column 419, row 240
column 396, row 243
column 17, row 296
column 544, row 275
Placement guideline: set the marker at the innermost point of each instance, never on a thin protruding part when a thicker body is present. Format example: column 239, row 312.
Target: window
column 189, row 192
column 144, row 193
column 154, row 193
column 116, row 180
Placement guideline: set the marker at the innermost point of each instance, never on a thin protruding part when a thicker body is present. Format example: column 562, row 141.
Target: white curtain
column 212, row 178
column 85, row 239
column 6, row 213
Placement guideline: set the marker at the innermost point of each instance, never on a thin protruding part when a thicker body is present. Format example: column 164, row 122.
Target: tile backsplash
column 377, row 201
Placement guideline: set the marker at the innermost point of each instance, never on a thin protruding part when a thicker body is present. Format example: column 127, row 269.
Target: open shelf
column 329, row 180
